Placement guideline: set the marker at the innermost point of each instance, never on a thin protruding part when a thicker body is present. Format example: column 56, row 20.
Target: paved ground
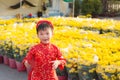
column 7, row 73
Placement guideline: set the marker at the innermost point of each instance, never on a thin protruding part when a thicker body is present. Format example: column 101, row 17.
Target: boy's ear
column 37, row 35
column 52, row 33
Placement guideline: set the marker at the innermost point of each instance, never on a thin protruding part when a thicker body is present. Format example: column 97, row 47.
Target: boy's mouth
column 45, row 39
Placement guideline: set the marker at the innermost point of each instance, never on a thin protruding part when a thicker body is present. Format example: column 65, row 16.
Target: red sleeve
column 30, row 57
column 62, row 59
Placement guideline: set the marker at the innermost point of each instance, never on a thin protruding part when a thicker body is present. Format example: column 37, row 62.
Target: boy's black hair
column 43, row 26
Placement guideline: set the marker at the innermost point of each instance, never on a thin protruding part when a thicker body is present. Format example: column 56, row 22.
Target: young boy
column 44, row 57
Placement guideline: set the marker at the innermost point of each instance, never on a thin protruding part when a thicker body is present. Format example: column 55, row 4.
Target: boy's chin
column 45, row 42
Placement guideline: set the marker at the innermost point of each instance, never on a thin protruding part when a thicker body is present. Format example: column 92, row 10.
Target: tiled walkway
column 7, row 73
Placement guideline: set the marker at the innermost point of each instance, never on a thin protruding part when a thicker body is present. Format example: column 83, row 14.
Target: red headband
column 44, row 21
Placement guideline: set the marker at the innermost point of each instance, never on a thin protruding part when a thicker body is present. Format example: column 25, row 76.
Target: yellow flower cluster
column 79, row 46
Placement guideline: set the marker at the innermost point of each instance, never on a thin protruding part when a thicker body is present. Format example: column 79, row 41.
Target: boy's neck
column 44, row 43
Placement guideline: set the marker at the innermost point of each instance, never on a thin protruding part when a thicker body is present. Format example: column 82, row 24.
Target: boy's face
column 45, row 35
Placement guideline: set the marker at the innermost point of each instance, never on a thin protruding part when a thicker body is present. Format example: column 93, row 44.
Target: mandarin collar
column 45, row 44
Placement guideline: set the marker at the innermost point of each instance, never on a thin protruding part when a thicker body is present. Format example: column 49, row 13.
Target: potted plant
column 5, row 52
column 72, row 69
column 1, row 52
column 1, row 59
column 10, row 54
column 62, row 74
column 19, row 55
column 108, row 72
column 87, row 72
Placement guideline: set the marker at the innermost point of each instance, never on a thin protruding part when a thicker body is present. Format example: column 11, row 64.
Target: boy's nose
column 44, row 36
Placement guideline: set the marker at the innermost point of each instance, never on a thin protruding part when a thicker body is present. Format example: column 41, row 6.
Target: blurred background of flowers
column 90, row 46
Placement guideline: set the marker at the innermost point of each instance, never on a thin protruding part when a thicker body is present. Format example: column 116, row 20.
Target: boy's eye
column 47, row 33
column 41, row 34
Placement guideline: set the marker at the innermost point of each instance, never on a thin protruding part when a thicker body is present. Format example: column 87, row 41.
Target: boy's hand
column 55, row 64
column 27, row 64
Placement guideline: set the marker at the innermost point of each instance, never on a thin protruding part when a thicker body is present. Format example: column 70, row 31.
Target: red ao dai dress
column 39, row 58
